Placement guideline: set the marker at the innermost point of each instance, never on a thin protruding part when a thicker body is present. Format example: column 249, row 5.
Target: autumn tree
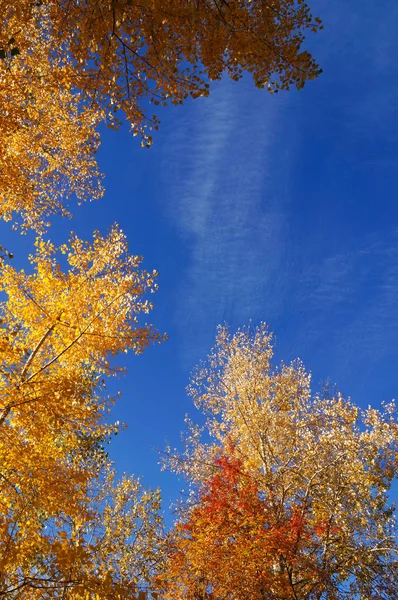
column 293, row 487
column 66, row 66
column 66, row 527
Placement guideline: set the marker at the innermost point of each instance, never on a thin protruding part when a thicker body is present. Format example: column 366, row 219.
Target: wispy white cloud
column 225, row 207
column 372, row 333
column 344, row 316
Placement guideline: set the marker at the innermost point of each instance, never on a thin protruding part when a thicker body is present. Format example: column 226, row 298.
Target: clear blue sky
column 278, row 208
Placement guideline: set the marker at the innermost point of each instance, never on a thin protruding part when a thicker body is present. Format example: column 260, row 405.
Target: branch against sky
column 67, row 66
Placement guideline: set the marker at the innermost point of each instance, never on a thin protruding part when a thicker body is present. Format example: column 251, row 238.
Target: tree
column 66, row 66
column 293, row 499
column 58, row 334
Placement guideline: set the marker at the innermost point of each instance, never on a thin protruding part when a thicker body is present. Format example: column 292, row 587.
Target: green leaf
column 15, row 51
column 2, row 53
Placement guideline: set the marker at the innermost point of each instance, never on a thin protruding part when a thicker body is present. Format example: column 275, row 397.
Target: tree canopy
column 292, row 487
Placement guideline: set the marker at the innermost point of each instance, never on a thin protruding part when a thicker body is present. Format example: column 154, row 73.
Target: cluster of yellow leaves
column 318, row 456
column 47, row 133
column 59, row 331
column 66, row 66
column 104, row 551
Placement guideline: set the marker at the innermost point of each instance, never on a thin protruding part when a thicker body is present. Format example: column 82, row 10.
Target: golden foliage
column 59, row 332
column 47, row 133
column 315, row 456
column 67, row 66
column 106, row 546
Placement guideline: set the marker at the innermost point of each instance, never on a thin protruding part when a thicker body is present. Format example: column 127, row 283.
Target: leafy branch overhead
column 68, row 66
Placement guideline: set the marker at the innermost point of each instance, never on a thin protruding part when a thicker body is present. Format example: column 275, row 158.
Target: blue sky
column 279, row 208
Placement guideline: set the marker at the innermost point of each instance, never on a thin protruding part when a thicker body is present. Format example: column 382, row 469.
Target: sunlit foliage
column 66, row 526
column 293, row 485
